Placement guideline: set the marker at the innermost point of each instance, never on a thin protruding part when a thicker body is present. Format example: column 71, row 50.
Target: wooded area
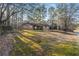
column 60, row 17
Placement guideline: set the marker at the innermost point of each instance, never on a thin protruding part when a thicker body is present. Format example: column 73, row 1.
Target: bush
column 5, row 29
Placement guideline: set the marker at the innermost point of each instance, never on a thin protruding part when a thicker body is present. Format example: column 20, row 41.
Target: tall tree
column 38, row 14
column 64, row 16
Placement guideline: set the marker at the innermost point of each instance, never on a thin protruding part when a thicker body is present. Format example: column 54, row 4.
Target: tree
column 64, row 16
column 8, row 10
column 38, row 13
column 52, row 14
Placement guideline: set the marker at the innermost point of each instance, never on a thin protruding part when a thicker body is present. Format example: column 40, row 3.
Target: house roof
column 36, row 24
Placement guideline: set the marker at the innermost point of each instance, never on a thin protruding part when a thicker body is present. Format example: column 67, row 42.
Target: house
column 36, row 26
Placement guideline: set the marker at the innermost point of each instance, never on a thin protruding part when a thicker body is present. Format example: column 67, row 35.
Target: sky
column 50, row 5
column 47, row 5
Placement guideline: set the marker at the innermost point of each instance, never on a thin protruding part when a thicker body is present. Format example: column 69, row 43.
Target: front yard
column 38, row 43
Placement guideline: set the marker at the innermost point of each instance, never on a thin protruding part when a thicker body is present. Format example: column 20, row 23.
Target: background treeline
column 58, row 16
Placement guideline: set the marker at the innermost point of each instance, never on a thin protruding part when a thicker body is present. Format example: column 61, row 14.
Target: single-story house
column 35, row 26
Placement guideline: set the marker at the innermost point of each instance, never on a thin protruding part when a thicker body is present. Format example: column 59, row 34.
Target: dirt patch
column 6, row 44
column 59, row 36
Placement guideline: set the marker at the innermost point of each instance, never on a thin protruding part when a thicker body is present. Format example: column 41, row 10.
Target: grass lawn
column 34, row 43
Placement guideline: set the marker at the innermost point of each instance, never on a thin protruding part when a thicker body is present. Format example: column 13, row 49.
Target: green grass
column 21, row 49
column 61, row 49
column 28, row 47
